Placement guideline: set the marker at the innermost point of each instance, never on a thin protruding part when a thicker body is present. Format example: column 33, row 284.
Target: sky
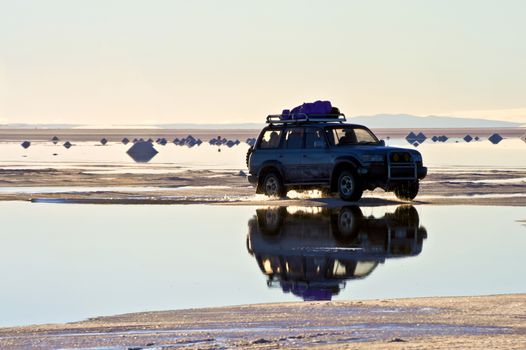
column 143, row 62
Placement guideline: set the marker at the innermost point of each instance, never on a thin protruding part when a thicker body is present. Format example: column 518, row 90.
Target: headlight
column 372, row 158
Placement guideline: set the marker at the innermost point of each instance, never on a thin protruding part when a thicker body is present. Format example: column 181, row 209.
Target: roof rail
column 304, row 118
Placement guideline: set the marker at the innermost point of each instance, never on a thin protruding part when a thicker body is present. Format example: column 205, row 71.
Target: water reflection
column 312, row 252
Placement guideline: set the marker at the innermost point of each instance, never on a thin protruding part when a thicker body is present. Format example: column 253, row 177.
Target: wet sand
column 496, row 322
column 184, row 186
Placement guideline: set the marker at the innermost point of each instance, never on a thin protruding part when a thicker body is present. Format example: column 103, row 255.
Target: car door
column 292, row 153
column 315, row 158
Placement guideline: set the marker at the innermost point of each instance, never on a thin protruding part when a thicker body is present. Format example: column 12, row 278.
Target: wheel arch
column 344, row 163
column 267, row 167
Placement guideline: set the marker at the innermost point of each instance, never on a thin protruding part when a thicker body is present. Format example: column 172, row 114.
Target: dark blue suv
column 325, row 153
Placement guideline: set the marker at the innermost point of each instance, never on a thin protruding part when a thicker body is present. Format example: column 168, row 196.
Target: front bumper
column 421, row 172
column 387, row 172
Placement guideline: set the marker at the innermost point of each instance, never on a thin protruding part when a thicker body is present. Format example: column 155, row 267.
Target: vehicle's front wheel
column 349, row 187
column 407, row 191
column 406, row 215
column 273, row 186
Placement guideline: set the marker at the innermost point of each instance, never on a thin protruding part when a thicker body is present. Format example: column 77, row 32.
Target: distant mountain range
column 38, row 126
column 374, row 121
column 378, row 121
column 431, row 121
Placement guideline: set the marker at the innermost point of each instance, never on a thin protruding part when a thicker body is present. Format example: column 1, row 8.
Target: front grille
column 401, row 166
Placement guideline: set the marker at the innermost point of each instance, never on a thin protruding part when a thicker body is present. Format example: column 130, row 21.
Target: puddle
column 90, row 189
column 104, row 260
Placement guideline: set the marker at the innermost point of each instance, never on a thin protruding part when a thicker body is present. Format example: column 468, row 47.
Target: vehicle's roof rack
column 304, row 118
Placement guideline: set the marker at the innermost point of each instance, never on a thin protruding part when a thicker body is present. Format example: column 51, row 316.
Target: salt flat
column 474, row 176
column 495, row 322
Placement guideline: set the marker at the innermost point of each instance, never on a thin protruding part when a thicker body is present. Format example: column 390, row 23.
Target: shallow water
column 112, row 158
column 85, row 189
column 66, row 262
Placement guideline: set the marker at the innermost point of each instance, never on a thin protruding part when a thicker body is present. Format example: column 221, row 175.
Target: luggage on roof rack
column 318, row 107
column 319, row 111
column 326, row 118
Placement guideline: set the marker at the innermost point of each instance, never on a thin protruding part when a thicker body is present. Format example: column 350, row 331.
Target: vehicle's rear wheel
column 348, row 186
column 273, row 186
column 270, row 220
column 346, row 224
column 407, row 191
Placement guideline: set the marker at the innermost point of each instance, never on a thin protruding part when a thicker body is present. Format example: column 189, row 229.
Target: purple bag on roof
column 318, row 107
column 285, row 115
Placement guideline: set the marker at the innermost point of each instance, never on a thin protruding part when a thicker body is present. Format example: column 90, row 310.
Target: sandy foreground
column 485, row 322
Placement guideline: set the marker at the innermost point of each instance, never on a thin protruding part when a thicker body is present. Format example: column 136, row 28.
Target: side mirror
column 382, row 142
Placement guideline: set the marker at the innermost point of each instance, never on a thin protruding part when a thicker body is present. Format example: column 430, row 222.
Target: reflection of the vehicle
column 311, row 252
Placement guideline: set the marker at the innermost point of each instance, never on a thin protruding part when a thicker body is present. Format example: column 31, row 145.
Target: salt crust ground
column 184, row 186
column 495, row 322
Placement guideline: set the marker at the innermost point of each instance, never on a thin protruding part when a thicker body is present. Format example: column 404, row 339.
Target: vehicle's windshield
column 351, row 135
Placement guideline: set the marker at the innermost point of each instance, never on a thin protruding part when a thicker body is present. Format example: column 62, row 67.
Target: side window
column 294, row 138
column 314, row 138
column 330, row 136
column 270, row 139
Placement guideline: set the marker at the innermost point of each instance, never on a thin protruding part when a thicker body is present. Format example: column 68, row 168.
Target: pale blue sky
column 124, row 62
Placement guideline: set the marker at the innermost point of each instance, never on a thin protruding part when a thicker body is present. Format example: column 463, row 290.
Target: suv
column 325, row 153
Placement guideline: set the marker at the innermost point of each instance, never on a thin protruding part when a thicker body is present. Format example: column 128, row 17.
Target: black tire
column 272, row 185
column 249, row 152
column 407, row 215
column 349, row 187
column 407, row 191
column 270, row 220
column 346, row 224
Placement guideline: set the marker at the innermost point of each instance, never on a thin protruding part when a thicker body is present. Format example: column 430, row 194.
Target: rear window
column 270, row 139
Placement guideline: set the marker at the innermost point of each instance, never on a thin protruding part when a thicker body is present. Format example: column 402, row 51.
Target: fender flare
column 343, row 161
column 269, row 164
